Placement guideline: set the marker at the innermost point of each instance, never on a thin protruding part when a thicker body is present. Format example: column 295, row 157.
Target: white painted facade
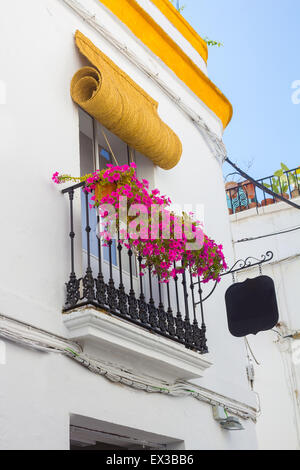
column 277, row 378
column 42, row 393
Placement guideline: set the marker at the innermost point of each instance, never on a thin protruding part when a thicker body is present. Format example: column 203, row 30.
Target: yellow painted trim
column 154, row 37
column 180, row 23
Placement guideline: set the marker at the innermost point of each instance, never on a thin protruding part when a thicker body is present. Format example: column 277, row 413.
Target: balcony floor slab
column 117, row 341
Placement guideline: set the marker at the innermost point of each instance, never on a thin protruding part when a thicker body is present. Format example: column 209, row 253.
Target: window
column 95, row 154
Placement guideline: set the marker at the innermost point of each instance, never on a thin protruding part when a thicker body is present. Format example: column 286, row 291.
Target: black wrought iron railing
column 245, row 195
column 111, row 281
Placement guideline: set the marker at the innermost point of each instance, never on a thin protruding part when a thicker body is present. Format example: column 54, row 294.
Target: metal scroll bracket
column 238, row 266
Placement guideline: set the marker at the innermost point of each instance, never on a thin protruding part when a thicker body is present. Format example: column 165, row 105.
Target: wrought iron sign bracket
column 238, row 266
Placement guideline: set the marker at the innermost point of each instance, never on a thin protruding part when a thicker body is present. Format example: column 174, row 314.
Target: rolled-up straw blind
column 123, row 107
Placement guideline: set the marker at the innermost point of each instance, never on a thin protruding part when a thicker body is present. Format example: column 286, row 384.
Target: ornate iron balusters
column 203, row 340
column 151, row 314
column 88, row 280
column 143, row 314
column 100, row 284
column 162, row 316
column 132, row 302
column 170, row 317
column 73, row 286
column 196, row 331
column 153, row 320
column 187, row 324
column 179, row 320
column 122, row 297
column 112, row 296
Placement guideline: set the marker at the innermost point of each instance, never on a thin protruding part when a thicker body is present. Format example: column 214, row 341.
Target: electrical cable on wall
column 243, row 240
column 248, row 347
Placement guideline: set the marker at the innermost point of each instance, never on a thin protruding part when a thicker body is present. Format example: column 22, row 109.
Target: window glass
column 86, row 154
column 105, row 158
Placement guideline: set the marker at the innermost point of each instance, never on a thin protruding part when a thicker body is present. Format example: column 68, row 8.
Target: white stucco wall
column 277, row 377
column 39, row 135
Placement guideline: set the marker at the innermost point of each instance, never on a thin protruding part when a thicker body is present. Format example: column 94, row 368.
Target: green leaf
column 284, row 167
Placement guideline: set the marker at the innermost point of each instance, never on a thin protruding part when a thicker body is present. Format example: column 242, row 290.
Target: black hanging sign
column 251, row 306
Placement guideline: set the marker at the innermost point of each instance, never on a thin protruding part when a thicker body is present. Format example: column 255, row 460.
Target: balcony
column 245, row 195
column 111, row 309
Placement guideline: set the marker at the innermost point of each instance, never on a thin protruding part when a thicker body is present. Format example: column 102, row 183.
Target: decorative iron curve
column 247, row 263
column 240, row 265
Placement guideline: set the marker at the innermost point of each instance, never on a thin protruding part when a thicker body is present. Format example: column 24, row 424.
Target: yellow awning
column 123, row 107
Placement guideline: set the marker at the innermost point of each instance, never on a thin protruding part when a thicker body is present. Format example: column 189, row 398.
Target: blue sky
column 255, row 69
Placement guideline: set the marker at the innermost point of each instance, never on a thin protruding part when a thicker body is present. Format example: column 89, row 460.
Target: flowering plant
column 144, row 222
column 113, row 175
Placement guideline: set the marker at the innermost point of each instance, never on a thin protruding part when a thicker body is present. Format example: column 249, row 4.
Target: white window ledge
column 117, row 341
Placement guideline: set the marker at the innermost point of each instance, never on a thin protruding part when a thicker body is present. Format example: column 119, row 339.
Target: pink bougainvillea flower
column 155, row 192
column 55, row 177
column 167, row 256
